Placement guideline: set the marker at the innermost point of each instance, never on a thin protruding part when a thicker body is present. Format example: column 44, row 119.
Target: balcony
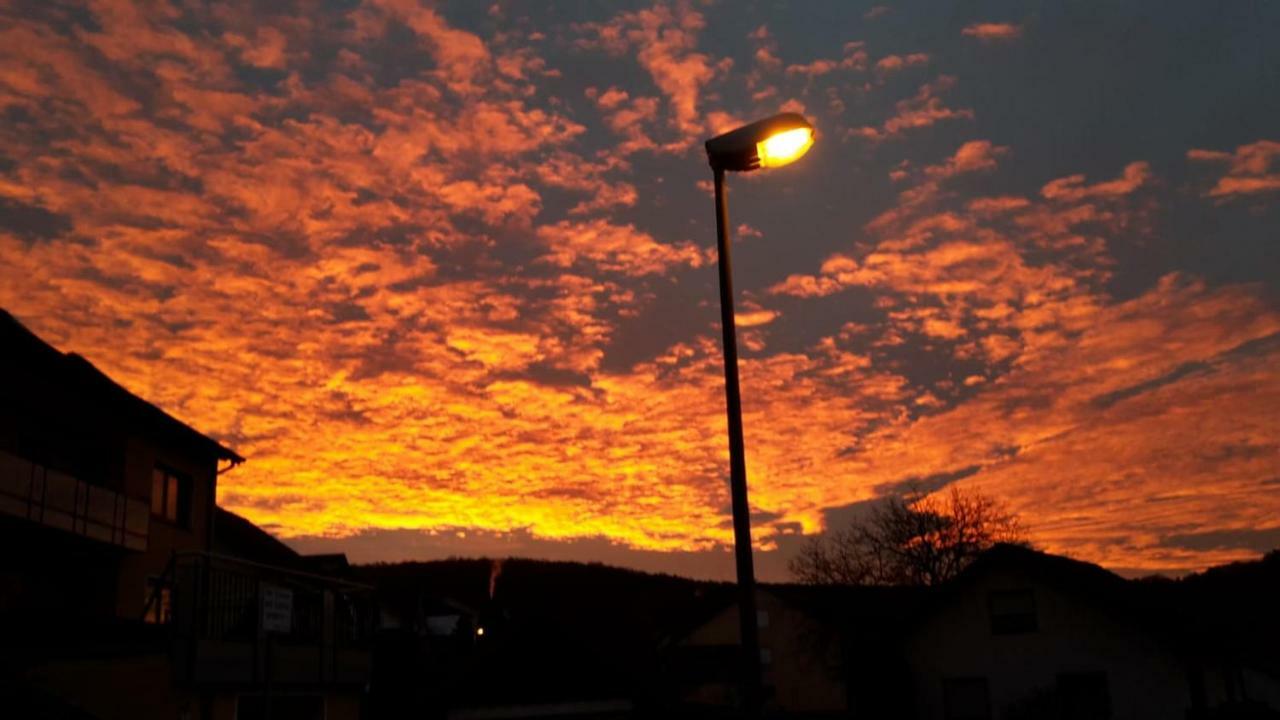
column 57, row 500
column 241, row 624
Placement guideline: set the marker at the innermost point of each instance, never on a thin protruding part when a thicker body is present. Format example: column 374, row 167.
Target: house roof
column 237, row 537
column 1056, row 569
column 1168, row 610
column 26, row 356
column 1091, row 583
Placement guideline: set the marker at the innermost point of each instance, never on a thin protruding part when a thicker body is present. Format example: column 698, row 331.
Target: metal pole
column 750, row 633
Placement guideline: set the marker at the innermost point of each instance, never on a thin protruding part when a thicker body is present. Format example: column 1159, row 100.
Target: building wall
column 803, row 665
column 1145, row 679
column 164, row 538
column 117, row 688
column 42, row 422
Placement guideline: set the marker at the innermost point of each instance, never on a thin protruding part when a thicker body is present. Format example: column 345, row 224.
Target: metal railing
column 221, row 597
column 237, row 622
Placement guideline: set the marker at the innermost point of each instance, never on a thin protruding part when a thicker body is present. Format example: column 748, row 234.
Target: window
column 1084, row 696
column 171, row 496
column 158, row 601
column 1012, row 612
column 762, row 619
column 966, row 699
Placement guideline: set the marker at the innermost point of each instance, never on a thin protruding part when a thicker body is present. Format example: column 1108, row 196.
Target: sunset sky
column 445, row 273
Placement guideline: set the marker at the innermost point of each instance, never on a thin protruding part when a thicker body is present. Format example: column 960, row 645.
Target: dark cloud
column 926, row 484
column 1260, row 540
column 31, row 222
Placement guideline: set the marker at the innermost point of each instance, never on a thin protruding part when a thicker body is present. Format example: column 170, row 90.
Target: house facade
column 98, row 488
column 118, row 597
column 1024, row 634
column 817, row 652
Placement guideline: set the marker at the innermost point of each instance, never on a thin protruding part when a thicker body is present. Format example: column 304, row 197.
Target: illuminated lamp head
column 769, row 143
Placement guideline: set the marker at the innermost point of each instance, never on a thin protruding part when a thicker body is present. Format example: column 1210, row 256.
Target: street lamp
column 767, row 143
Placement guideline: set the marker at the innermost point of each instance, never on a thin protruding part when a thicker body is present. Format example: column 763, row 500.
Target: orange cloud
column 973, row 156
column 922, row 110
column 265, row 50
column 893, row 63
column 993, row 32
column 614, row 248
column 628, row 117
column 665, row 41
column 1072, row 188
column 1249, row 169
column 1066, row 369
column 462, row 56
column 814, row 69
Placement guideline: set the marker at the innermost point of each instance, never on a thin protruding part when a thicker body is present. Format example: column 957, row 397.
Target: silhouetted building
column 821, row 648
column 124, row 591
column 1019, row 634
column 1025, row 634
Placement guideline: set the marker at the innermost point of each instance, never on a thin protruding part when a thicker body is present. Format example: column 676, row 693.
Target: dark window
column 1084, row 696
column 171, row 496
column 966, row 699
column 1012, row 611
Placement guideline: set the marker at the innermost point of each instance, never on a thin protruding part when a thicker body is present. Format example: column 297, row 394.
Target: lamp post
column 771, row 142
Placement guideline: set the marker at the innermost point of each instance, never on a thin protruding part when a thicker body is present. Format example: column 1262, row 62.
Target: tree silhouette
column 914, row 538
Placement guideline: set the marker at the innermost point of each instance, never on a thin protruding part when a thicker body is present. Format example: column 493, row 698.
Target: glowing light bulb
column 785, row 147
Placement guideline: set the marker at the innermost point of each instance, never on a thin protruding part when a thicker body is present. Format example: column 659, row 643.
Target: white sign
column 277, row 609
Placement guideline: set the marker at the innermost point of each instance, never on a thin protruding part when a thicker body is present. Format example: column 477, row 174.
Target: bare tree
column 911, row 539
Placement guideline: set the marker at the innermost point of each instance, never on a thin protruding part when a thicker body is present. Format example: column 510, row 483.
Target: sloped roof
column 26, row 357
column 1057, row 569
column 1159, row 607
column 1088, row 582
column 237, row 537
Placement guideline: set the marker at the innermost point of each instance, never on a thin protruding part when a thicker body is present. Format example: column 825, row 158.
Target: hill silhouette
column 554, row 630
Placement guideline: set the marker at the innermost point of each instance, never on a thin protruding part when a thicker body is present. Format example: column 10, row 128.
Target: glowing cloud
column 1250, row 169
column 993, row 32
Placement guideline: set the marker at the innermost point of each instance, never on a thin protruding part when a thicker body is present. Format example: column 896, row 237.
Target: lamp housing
column 771, row 142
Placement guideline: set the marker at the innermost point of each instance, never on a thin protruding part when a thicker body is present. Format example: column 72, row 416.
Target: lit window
column 158, row 601
column 157, row 492
column 170, row 496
